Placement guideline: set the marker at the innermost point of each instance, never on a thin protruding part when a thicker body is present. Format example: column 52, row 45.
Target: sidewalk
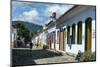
column 57, row 59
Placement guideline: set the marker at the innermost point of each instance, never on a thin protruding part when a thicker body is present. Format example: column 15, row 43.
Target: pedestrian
column 78, row 57
column 31, row 45
column 19, row 43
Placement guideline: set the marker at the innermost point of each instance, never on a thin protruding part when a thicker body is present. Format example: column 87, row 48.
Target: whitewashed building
column 40, row 39
column 74, row 30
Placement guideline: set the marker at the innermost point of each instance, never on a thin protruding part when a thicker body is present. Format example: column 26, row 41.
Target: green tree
column 23, row 32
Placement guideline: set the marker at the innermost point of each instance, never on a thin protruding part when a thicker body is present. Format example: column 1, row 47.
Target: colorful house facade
column 75, row 30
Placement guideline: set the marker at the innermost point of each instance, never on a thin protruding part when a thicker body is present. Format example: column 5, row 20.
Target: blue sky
column 38, row 13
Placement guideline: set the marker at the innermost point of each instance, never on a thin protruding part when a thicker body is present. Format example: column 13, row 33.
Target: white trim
column 76, row 33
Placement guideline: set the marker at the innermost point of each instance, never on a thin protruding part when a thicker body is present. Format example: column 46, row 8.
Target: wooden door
column 88, row 34
column 61, row 40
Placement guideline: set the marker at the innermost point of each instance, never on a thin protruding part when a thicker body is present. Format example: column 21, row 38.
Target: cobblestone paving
column 38, row 56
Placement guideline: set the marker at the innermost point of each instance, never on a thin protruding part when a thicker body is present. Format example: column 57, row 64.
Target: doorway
column 88, row 34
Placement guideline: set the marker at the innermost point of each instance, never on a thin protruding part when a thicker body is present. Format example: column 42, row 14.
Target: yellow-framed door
column 88, row 34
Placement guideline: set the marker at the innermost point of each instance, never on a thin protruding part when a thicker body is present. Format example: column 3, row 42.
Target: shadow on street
column 27, row 56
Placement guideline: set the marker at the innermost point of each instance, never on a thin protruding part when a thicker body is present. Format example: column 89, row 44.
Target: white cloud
column 31, row 16
column 59, row 9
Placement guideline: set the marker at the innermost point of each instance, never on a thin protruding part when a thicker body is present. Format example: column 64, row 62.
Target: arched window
column 73, row 33
column 79, row 33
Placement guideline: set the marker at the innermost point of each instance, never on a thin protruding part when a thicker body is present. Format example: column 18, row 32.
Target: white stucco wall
column 93, row 36
column 44, row 38
column 36, row 38
column 57, row 45
column 82, row 16
column 12, row 37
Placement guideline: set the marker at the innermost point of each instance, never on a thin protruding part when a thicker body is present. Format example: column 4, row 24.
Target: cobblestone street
column 25, row 56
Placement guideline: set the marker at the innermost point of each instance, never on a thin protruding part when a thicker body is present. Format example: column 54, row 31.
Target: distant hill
column 31, row 26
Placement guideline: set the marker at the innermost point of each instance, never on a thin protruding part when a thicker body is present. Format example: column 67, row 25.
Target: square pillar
column 76, row 33
column 93, row 44
column 83, row 37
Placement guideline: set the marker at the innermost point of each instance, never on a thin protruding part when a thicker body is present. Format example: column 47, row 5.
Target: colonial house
column 14, row 38
column 40, row 39
column 74, row 30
